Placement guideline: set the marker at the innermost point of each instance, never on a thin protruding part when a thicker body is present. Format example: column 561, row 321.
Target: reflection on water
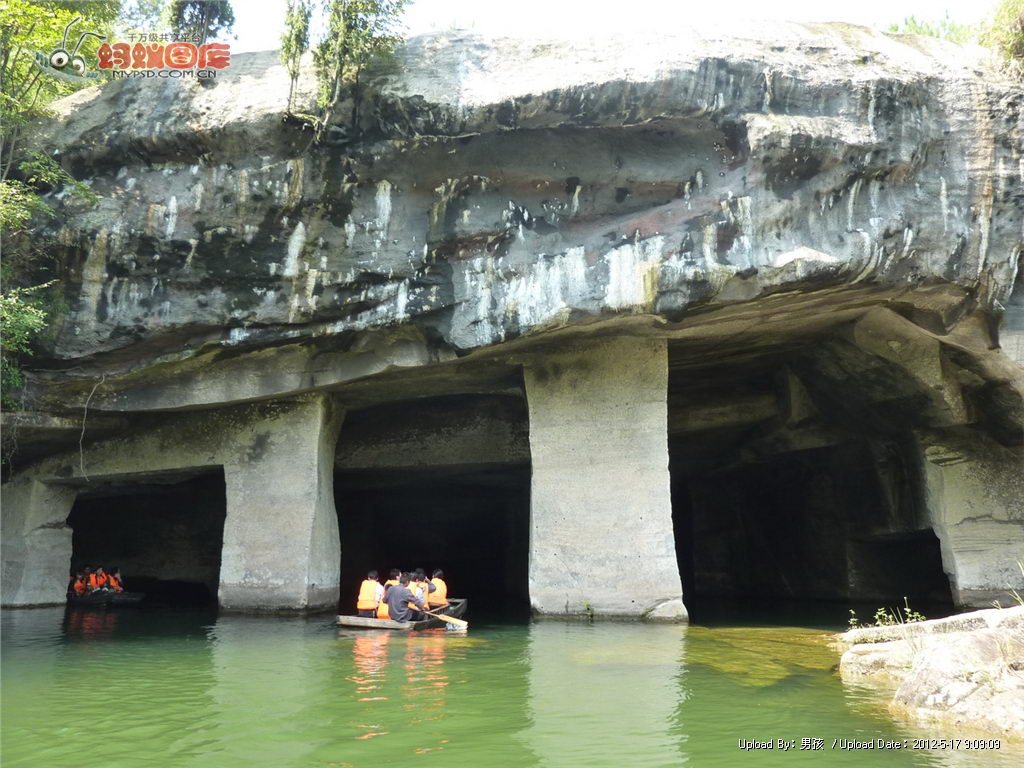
column 605, row 685
column 88, row 687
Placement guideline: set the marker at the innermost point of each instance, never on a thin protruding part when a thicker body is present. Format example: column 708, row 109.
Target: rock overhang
column 496, row 190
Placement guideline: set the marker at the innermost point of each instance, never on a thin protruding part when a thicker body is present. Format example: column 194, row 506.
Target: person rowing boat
column 399, row 599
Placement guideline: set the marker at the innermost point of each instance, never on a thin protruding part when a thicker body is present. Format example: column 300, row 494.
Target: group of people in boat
column 404, row 596
column 86, row 580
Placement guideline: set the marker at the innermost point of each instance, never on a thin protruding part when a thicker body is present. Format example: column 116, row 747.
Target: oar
column 449, row 619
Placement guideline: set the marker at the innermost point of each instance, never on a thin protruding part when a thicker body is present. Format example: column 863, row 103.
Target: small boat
column 127, row 598
column 100, row 597
column 106, row 597
column 456, row 608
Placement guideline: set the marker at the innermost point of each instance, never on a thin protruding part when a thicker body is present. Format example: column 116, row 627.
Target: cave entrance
column 813, row 525
column 471, row 523
column 164, row 531
column 787, row 507
column 443, row 483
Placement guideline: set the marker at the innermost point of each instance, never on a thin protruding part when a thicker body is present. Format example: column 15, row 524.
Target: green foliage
column 18, row 204
column 1018, row 598
column 945, row 28
column 295, row 41
column 22, row 317
column 28, row 27
column 1006, row 34
column 888, row 617
column 352, row 32
column 201, row 18
column 140, row 16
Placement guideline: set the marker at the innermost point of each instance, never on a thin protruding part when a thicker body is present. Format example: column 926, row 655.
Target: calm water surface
column 144, row 687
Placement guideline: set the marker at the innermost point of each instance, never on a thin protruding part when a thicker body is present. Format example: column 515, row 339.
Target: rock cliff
column 714, row 312
column 484, row 190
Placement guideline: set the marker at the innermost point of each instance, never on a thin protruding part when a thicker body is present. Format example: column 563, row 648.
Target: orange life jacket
column 367, row 600
column 95, row 580
column 382, row 609
column 438, row 598
column 113, row 582
column 79, row 586
column 419, row 591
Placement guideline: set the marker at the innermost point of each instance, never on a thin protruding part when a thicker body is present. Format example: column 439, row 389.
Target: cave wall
column 280, row 539
column 974, row 491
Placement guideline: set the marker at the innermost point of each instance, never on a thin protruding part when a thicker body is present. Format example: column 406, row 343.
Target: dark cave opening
column 798, row 532
column 164, row 532
column 472, row 522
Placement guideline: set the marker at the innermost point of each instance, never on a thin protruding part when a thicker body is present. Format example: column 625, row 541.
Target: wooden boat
column 127, row 598
column 90, row 598
column 456, row 608
column 103, row 597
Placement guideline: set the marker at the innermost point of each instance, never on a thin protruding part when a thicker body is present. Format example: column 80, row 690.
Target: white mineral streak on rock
column 872, row 103
column 944, row 204
column 574, row 204
column 402, row 301
column 709, row 242
column 197, row 196
column 632, row 273
column 806, row 261
column 172, row 217
column 851, row 202
column 984, row 223
column 908, row 239
column 295, row 243
column 766, row 104
column 383, row 201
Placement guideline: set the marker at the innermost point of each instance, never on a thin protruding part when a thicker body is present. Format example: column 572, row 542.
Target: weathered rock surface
column 489, row 189
column 660, row 270
column 965, row 670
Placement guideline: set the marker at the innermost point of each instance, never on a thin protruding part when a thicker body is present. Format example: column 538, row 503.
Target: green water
column 143, row 687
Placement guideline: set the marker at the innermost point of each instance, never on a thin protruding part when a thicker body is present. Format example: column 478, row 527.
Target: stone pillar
column 281, row 548
column 601, row 539
column 36, row 542
column 974, row 491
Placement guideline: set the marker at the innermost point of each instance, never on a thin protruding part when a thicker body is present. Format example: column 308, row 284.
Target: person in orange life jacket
column 402, row 602
column 424, row 584
column 370, row 594
column 114, row 581
column 421, row 588
column 91, row 579
column 437, row 600
column 382, row 609
column 78, row 584
column 98, row 580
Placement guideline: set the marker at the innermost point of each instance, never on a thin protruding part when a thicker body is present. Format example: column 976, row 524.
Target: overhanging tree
column 351, row 33
column 31, row 33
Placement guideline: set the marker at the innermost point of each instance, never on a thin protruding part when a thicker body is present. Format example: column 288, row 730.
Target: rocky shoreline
column 965, row 670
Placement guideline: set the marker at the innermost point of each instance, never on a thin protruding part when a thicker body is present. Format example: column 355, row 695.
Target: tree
column 353, row 31
column 295, row 41
column 32, row 33
column 1006, row 34
column 945, row 28
column 201, row 18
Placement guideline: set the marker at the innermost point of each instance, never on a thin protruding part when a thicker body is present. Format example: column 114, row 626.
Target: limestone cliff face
column 488, row 189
